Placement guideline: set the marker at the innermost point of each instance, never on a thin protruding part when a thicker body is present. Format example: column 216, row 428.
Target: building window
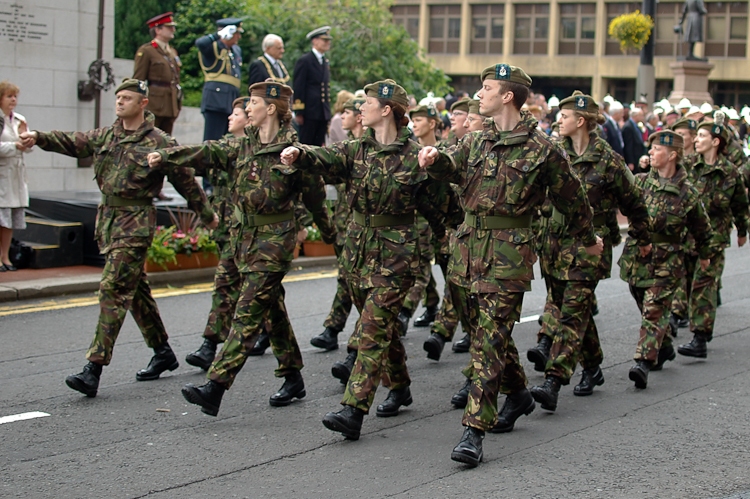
column 532, row 27
column 408, row 17
column 487, row 29
column 726, row 29
column 730, row 93
column 666, row 41
column 445, row 29
column 612, row 46
column 577, row 28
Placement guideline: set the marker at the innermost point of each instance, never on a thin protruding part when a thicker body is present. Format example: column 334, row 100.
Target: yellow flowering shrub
column 632, row 30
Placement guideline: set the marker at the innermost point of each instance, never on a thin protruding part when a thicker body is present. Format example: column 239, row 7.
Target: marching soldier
column 312, row 91
column 158, row 64
column 125, row 225
column 269, row 65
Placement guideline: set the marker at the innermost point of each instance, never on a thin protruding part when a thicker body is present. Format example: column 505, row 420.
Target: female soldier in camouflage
column 654, row 272
column 263, row 233
column 384, row 187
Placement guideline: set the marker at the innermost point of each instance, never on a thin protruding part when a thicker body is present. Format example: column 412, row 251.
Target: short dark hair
column 520, row 92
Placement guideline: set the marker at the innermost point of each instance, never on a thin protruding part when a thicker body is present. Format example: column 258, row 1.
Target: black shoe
column 342, row 370
column 9, row 267
column 293, row 387
column 683, row 323
column 204, row 356
column 434, row 346
column 696, row 348
column 163, row 360
column 348, row 421
column 261, row 345
column 673, row 325
column 87, row 381
column 516, row 405
column 327, row 340
column 589, row 379
column 718, row 296
column 539, row 355
column 461, row 397
column 639, row 373
column 469, row 449
column 665, row 353
column 403, row 318
column 207, row 396
column 2, row 267
column 462, row 345
column 546, row 394
column 595, row 310
column 394, row 400
column 427, row 318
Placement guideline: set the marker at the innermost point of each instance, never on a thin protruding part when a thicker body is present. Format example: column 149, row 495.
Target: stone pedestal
column 691, row 82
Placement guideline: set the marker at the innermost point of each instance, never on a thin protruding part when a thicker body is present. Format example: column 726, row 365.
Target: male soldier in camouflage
column 502, row 174
column 459, row 113
column 572, row 275
column 654, row 272
column 263, row 236
column 725, row 198
column 385, row 188
column 125, row 225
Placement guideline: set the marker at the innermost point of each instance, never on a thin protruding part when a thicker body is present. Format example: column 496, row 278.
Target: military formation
column 485, row 203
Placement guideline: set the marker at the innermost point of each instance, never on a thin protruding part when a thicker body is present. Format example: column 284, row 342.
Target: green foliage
column 313, row 233
column 632, row 30
column 170, row 241
column 130, row 23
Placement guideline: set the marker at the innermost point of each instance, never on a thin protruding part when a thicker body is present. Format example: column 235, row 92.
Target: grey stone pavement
column 686, row 436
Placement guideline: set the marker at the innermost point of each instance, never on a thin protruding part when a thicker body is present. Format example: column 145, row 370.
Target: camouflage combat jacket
column 380, row 180
column 121, row 169
column 259, row 185
column 506, row 174
column 220, row 198
column 609, row 185
column 675, row 210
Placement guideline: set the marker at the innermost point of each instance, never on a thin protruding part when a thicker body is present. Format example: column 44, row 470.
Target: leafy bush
column 632, row 30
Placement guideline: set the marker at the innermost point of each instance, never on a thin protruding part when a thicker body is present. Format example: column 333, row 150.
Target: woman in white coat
column 14, row 193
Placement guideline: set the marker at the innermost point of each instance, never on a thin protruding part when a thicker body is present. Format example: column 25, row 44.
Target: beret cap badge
column 666, row 140
column 581, row 103
column 272, row 91
column 386, row 90
column 502, row 72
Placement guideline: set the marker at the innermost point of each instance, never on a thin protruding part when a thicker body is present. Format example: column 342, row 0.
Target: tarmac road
column 686, row 436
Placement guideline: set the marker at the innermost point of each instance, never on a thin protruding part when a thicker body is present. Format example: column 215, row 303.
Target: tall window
column 445, row 28
column 532, row 28
column 666, row 41
column 408, row 17
column 577, row 28
column 612, row 46
column 726, row 29
column 730, row 93
column 487, row 29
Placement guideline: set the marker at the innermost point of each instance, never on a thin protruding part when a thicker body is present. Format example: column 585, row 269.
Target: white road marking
column 22, row 417
column 530, row 318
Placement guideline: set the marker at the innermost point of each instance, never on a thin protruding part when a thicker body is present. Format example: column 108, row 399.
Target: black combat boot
column 261, row 345
column 696, row 348
column 348, row 421
column 461, row 397
column 589, row 379
column 434, row 345
column 546, row 394
column 342, row 370
column 163, row 360
column 683, row 323
column 639, row 373
column 403, row 318
column 207, row 396
column 204, row 356
column 666, row 352
column 293, row 387
column 539, row 355
column 516, row 405
column 394, row 400
column 674, row 325
column 327, row 340
column 427, row 318
column 87, row 381
column 469, row 449
column 462, row 345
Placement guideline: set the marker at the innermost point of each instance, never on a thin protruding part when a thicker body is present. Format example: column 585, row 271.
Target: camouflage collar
column 518, row 135
column 401, row 139
column 674, row 184
column 142, row 131
column 700, row 167
column 592, row 154
column 285, row 137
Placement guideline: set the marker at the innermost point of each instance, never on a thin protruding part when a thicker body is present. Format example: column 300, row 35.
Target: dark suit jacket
column 312, row 93
column 259, row 71
column 612, row 135
column 633, row 139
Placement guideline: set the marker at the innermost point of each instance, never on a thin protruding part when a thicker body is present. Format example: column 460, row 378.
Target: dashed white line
column 22, row 417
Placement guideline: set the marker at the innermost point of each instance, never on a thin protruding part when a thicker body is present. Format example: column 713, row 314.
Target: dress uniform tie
column 277, row 68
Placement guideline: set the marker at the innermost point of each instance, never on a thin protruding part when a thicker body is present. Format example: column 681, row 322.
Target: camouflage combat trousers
column 227, row 285
column 703, row 297
column 342, row 302
column 681, row 300
column 448, row 316
column 655, row 304
column 380, row 355
column 124, row 287
column 261, row 303
column 496, row 367
column 425, row 284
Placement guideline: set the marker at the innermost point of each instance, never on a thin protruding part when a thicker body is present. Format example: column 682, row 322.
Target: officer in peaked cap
column 312, row 93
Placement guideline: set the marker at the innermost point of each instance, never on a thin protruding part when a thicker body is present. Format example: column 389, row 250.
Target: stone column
column 691, row 81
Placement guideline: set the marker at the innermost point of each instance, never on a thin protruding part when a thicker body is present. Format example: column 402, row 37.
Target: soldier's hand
column 28, row 139
column 645, row 250
column 597, row 248
column 427, row 156
column 289, row 155
column 705, row 264
column 227, row 32
column 154, row 158
column 741, row 241
column 214, row 223
column 299, row 119
column 302, row 235
column 644, row 162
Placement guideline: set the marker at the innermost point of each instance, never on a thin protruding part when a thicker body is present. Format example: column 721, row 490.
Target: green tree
column 130, row 23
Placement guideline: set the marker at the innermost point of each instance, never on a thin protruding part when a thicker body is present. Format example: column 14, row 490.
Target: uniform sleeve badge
column 502, row 72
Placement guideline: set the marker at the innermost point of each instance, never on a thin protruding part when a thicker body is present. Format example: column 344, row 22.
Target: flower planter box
column 318, row 248
column 185, row 262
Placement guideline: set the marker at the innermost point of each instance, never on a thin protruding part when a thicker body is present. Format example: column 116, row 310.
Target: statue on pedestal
column 695, row 11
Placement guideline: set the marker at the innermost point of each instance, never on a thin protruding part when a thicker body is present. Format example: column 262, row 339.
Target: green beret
column 461, row 105
column 505, row 72
column 428, row 111
column 684, row 123
column 474, row 106
column 354, row 104
column 667, row 138
column 580, row 102
column 388, row 89
column 269, row 89
column 133, row 85
column 716, row 126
